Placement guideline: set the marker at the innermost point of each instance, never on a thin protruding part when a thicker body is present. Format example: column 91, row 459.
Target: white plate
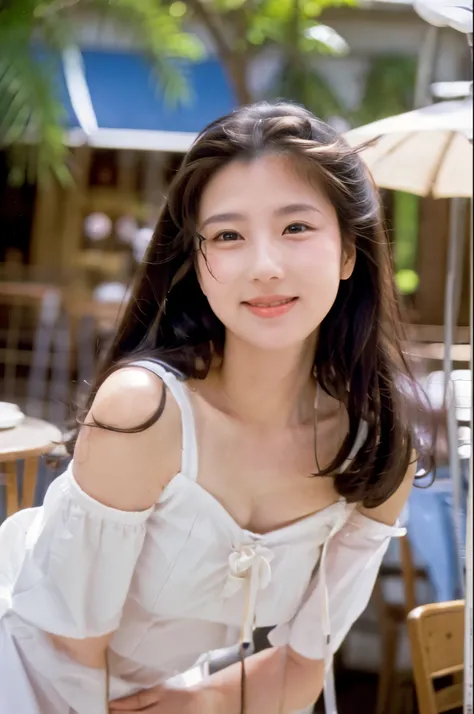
column 10, row 415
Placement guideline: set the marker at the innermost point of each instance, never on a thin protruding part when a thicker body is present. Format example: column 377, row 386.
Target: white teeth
column 273, row 304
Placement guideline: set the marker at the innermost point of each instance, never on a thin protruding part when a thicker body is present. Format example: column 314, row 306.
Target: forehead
column 264, row 183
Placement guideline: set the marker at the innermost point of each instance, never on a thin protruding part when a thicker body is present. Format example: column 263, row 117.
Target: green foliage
column 306, row 86
column 244, row 28
column 29, row 109
column 26, row 99
column 240, row 29
column 407, row 281
column 389, row 88
column 289, row 24
column 406, row 224
column 406, row 221
column 281, row 22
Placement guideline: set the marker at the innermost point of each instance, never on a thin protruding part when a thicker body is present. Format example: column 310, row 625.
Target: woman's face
column 271, row 257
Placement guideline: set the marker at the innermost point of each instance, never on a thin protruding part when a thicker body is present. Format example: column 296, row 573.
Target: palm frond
column 30, row 110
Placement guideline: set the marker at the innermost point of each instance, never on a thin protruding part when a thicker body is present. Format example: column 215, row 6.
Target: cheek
column 217, row 273
column 319, row 262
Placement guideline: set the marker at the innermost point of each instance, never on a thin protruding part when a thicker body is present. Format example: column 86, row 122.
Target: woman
column 246, row 453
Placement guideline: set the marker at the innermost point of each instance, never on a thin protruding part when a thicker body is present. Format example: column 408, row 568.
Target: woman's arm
column 126, row 472
column 279, row 680
column 275, row 673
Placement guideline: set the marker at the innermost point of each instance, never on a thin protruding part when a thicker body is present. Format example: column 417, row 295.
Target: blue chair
column 431, row 531
column 45, row 476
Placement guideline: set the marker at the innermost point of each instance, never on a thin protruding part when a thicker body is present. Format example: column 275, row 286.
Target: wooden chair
column 28, row 316
column 49, row 345
column 24, row 444
column 437, row 644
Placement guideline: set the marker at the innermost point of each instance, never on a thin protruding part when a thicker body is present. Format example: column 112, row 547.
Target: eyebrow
column 296, row 208
column 283, row 211
column 222, row 218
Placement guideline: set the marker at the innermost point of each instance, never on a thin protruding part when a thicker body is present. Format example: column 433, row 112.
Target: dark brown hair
column 359, row 358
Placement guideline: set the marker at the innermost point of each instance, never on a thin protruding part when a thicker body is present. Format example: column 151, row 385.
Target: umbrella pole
column 451, row 310
column 425, row 67
column 468, row 639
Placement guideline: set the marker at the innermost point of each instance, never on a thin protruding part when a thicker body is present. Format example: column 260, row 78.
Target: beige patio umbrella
column 426, row 151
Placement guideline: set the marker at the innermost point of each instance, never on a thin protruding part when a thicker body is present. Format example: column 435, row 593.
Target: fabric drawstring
column 250, row 566
column 330, row 704
column 107, row 683
column 329, row 689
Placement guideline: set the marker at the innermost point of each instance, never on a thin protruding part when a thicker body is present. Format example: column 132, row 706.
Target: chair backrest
column 91, row 325
column 437, row 646
column 28, row 313
column 50, row 341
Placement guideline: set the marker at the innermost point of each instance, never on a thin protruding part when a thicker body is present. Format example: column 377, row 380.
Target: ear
column 348, row 260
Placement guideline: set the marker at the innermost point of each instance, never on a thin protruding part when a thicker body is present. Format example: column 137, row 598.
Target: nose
column 267, row 261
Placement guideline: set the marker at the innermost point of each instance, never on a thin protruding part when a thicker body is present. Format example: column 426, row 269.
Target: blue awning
column 119, row 93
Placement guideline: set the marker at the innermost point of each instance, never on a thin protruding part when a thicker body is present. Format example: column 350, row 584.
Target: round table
column 25, row 442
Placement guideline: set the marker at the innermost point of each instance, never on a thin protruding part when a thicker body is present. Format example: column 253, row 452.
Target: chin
column 276, row 338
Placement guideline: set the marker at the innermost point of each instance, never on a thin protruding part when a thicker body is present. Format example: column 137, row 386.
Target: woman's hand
column 169, row 700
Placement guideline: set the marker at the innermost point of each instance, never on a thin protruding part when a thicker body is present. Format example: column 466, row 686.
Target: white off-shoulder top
column 172, row 582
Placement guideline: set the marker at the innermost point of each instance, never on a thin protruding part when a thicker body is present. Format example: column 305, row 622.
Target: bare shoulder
column 128, row 397
column 390, row 511
column 130, row 445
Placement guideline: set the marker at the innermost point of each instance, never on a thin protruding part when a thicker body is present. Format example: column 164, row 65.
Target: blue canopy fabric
column 125, row 94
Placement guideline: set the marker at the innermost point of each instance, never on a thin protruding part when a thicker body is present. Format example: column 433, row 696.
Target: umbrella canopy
column 426, row 152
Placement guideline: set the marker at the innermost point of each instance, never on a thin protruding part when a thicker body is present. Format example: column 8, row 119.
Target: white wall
column 397, row 31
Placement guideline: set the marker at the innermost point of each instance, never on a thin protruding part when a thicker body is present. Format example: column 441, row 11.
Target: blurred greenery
column 407, row 281
column 406, row 219
column 29, row 108
column 406, row 226
column 389, row 88
column 240, row 31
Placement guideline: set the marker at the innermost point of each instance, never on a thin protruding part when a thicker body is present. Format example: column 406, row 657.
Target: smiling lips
column 271, row 306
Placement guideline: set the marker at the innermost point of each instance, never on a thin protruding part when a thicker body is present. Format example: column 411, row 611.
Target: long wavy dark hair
column 359, row 358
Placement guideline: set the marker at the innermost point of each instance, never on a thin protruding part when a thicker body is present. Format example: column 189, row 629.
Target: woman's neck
column 268, row 387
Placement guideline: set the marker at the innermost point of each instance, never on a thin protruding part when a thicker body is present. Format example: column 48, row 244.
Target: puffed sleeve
column 77, row 562
column 340, row 590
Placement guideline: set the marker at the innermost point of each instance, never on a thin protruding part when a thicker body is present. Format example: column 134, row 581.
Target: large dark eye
column 227, row 237
column 296, row 228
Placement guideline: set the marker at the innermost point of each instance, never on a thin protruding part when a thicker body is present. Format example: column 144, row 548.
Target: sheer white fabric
column 352, row 561
column 173, row 582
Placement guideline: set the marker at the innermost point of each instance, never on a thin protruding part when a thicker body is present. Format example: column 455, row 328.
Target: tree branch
column 233, row 60
column 210, row 22
column 43, row 12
